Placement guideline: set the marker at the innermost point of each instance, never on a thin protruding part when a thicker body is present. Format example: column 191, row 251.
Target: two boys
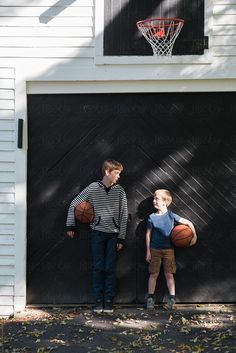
column 108, row 232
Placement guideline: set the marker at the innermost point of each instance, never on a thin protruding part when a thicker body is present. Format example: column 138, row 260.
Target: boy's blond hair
column 110, row 165
column 165, row 195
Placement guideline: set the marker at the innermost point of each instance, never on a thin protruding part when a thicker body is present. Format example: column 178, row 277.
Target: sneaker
column 108, row 307
column 170, row 302
column 98, row 307
column 150, row 303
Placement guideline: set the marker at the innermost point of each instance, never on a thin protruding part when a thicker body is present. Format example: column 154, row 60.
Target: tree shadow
column 54, row 10
column 130, row 42
column 178, row 158
column 78, row 330
column 164, row 157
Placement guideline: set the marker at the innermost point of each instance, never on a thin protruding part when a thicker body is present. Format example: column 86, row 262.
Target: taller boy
column 108, row 230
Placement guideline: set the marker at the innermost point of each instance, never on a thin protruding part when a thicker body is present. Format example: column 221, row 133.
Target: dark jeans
column 104, row 249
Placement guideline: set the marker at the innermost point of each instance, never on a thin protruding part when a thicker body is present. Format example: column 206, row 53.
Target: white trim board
column 20, row 200
column 66, row 87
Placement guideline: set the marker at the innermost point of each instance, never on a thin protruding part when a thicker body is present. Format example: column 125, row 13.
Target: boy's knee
column 154, row 275
column 169, row 275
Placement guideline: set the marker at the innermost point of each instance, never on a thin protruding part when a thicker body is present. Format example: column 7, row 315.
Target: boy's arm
column 123, row 218
column 148, row 240
column 191, row 226
column 70, row 221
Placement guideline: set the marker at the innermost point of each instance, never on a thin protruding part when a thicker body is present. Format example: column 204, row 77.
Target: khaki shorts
column 165, row 256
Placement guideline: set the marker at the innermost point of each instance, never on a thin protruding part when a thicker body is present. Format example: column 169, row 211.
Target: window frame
column 101, row 59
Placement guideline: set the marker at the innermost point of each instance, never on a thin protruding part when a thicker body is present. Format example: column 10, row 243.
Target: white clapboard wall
column 224, row 28
column 47, row 28
column 7, row 188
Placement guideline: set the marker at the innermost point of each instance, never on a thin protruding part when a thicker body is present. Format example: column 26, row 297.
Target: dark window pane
column 121, row 36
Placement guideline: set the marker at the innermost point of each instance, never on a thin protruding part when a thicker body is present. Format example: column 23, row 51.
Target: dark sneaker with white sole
column 98, row 307
column 108, row 307
column 170, row 302
column 150, row 303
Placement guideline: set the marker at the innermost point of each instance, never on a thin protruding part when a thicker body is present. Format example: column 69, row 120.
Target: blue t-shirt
column 162, row 225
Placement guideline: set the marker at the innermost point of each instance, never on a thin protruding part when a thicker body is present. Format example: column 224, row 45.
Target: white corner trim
column 20, row 198
column 100, row 59
column 98, row 27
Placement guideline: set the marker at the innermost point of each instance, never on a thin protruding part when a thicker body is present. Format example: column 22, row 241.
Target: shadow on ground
column 186, row 329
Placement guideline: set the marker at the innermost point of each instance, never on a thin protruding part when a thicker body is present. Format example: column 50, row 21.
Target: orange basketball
column 160, row 33
column 181, row 236
column 84, row 212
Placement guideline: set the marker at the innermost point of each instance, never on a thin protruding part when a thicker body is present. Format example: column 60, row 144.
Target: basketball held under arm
column 82, row 196
column 191, row 226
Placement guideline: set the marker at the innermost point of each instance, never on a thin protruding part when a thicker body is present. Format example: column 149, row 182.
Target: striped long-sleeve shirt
column 110, row 208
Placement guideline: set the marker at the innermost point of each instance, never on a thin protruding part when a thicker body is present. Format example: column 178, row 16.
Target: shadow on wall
column 160, row 147
column 165, row 158
column 82, row 53
column 55, row 10
column 129, row 41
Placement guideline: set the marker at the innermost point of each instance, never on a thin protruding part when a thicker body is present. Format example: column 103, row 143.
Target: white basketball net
column 161, row 33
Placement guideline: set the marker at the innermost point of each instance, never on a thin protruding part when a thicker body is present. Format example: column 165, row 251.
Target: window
column 121, row 36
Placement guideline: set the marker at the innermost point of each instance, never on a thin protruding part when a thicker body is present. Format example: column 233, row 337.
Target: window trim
column 101, row 59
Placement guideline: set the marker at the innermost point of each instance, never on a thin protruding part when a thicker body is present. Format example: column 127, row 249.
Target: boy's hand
column 71, row 233
column 119, row 246
column 148, row 256
column 194, row 240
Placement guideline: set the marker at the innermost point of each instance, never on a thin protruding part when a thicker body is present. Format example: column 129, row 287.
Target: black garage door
column 183, row 142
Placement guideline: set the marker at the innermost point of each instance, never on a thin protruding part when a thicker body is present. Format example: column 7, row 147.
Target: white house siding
column 46, row 28
column 58, row 36
column 7, row 188
column 224, row 28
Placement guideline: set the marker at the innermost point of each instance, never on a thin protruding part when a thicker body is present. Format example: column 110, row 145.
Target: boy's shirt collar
column 107, row 189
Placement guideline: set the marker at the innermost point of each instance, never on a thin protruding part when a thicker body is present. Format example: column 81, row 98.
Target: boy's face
column 113, row 176
column 158, row 202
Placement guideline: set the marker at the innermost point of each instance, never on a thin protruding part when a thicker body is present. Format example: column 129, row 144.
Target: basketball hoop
column 161, row 33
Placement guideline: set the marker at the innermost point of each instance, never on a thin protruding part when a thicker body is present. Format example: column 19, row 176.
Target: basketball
column 181, row 236
column 160, row 33
column 84, row 212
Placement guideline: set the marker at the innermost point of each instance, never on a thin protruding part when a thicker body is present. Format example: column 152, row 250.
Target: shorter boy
column 159, row 246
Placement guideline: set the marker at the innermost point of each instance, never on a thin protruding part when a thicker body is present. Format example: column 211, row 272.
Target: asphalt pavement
column 186, row 329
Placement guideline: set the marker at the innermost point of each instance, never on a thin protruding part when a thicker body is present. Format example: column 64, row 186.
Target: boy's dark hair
column 110, row 165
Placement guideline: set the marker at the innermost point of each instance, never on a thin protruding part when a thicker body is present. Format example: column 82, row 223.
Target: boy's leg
column 154, row 269
column 170, row 281
column 169, row 270
column 110, row 267
column 169, row 266
column 152, row 282
column 151, row 289
column 98, row 248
